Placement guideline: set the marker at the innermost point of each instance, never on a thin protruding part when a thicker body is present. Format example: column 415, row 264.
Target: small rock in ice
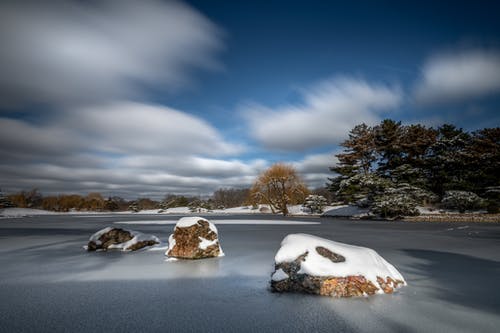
column 194, row 238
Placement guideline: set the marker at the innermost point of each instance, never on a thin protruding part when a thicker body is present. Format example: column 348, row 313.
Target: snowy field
column 48, row 283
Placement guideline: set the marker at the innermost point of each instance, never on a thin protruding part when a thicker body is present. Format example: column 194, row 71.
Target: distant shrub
column 417, row 194
column 315, row 203
column 134, row 207
column 172, row 201
column 199, row 206
column 394, row 205
column 462, row 201
column 493, row 207
column 111, row 205
column 323, row 191
column 5, row 202
column 492, row 196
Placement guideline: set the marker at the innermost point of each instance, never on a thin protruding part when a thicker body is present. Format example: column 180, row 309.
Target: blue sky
column 154, row 97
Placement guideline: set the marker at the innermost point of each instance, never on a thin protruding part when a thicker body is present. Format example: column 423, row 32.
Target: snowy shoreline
column 295, row 211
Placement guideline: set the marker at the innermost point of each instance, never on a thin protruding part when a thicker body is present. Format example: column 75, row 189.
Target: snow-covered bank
column 455, row 217
column 23, row 212
column 294, row 210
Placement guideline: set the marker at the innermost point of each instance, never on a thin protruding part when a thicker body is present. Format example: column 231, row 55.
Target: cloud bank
column 67, row 52
column 326, row 115
column 315, row 168
column 118, row 148
column 459, row 76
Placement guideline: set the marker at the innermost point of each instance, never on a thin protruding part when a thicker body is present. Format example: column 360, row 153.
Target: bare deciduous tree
column 278, row 187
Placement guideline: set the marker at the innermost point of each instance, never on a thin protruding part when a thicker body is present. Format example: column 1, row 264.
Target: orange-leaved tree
column 278, row 187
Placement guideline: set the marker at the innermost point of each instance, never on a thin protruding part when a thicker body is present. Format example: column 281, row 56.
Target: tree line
column 94, row 201
column 291, row 191
column 395, row 163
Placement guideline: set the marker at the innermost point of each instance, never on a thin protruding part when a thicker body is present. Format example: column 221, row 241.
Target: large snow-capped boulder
column 315, row 265
column 194, row 238
column 120, row 239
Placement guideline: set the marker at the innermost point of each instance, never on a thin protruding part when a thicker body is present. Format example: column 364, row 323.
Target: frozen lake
column 49, row 283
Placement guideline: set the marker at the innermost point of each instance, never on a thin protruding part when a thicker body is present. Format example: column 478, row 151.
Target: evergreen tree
column 448, row 164
column 415, row 143
column 388, row 144
column 484, row 152
column 357, row 157
column 391, row 165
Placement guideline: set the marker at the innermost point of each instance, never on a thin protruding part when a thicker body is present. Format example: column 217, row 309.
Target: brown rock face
column 117, row 236
column 388, row 285
column 187, row 242
column 334, row 257
column 141, row 244
column 328, row 285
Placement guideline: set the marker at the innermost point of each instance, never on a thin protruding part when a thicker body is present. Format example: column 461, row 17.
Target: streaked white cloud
column 121, row 148
column 68, row 51
column 329, row 110
column 459, row 76
column 119, row 128
column 136, row 128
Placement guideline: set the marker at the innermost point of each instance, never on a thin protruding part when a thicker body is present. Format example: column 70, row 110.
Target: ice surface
column 358, row 260
column 451, row 280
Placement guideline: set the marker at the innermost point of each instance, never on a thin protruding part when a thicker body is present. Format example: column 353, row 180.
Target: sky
column 145, row 98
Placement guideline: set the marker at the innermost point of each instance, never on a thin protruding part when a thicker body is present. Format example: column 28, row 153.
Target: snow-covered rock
column 120, row 239
column 194, row 238
column 315, row 265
